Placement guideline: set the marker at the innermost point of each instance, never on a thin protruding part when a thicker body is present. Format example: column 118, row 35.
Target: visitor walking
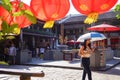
column 85, row 53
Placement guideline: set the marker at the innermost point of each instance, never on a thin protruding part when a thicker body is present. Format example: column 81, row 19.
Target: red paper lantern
column 92, row 8
column 5, row 15
column 50, row 10
column 22, row 21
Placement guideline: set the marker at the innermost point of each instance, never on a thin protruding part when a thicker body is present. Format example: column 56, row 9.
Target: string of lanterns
column 51, row 10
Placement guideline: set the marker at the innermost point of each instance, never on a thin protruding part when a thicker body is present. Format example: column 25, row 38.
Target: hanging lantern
column 5, row 15
column 92, row 8
column 50, row 10
column 21, row 20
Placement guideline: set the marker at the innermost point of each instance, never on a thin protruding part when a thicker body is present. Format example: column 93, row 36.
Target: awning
column 38, row 33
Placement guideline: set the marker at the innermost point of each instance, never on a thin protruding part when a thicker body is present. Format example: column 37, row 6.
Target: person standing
column 85, row 53
column 6, row 53
column 12, row 54
column 37, row 52
column 42, row 51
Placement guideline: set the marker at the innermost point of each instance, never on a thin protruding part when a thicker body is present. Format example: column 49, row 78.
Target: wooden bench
column 24, row 74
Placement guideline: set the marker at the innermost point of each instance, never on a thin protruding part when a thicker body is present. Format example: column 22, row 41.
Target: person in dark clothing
column 6, row 53
column 85, row 53
column 2, row 55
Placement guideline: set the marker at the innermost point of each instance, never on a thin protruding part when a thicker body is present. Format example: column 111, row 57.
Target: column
column 62, row 32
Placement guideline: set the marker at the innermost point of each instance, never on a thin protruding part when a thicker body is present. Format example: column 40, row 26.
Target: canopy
column 104, row 28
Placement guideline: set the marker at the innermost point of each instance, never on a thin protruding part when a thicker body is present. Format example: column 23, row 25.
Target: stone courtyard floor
column 52, row 73
column 64, row 72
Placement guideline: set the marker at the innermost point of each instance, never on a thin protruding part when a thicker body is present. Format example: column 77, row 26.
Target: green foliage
column 12, row 27
column 117, row 9
column 19, row 13
column 30, row 16
column 20, row 5
column 6, row 4
column 3, row 63
column 118, row 16
column 7, row 31
column 5, row 27
column 1, row 35
column 10, row 37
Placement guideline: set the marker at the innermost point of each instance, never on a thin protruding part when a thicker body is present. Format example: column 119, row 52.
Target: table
column 70, row 53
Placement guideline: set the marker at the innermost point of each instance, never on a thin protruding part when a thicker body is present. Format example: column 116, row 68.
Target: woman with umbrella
column 85, row 52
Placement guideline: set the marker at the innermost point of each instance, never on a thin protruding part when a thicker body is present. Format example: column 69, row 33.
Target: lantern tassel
column 92, row 17
column 48, row 24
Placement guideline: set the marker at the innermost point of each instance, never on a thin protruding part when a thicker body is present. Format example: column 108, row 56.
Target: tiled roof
column 81, row 18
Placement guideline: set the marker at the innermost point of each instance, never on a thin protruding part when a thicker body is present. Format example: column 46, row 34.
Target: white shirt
column 37, row 50
column 12, row 51
column 42, row 50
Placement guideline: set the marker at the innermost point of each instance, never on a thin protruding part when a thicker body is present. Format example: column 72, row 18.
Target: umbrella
column 104, row 28
column 94, row 36
column 72, row 42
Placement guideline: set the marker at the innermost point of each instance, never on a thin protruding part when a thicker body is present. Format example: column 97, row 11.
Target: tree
column 11, row 25
column 117, row 9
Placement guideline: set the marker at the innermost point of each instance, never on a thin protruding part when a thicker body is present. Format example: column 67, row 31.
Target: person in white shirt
column 12, row 54
column 42, row 51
